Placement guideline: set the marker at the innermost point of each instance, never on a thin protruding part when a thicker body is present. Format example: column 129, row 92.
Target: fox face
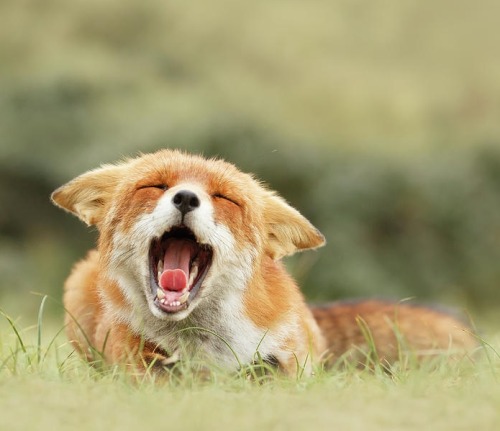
column 181, row 234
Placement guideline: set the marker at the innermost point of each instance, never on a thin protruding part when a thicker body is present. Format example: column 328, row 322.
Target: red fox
column 187, row 242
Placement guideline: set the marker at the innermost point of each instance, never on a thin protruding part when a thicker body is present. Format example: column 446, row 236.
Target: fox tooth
column 184, row 297
column 193, row 274
column 160, row 266
column 160, row 294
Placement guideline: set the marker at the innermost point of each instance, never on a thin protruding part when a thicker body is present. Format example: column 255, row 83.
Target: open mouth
column 178, row 265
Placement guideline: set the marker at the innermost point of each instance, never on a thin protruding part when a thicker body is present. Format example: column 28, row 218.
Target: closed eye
column 221, row 196
column 154, row 186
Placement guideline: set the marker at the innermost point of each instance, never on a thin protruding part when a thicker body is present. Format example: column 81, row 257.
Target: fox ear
column 86, row 195
column 288, row 231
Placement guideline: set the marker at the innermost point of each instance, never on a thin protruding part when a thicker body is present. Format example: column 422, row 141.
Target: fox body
column 188, row 262
column 390, row 331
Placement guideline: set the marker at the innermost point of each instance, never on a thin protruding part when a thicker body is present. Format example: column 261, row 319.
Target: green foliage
column 380, row 124
column 427, row 227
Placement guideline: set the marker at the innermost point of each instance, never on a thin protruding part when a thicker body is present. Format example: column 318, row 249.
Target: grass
column 44, row 385
column 434, row 402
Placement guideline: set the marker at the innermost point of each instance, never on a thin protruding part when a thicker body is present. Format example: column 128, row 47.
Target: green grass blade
column 39, row 330
column 18, row 335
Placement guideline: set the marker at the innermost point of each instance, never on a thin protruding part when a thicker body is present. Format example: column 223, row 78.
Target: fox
column 189, row 264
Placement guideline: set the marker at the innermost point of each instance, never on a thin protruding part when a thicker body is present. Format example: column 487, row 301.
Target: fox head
column 177, row 229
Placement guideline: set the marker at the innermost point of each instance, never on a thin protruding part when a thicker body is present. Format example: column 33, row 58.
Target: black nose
column 185, row 201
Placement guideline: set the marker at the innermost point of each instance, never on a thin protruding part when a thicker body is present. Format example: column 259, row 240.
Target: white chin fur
column 229, row 275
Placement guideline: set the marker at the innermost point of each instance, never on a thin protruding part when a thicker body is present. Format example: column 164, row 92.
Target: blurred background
column 379, row 121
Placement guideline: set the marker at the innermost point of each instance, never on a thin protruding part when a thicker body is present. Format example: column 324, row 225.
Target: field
column 439, row 401
column 43, row 385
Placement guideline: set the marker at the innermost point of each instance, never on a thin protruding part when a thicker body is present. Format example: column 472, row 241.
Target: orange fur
column 239, row 289
column 91, row 330
column 396, row 329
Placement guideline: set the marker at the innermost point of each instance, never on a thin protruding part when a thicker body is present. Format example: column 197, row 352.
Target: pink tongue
column 173, row 279
column 176, row 265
